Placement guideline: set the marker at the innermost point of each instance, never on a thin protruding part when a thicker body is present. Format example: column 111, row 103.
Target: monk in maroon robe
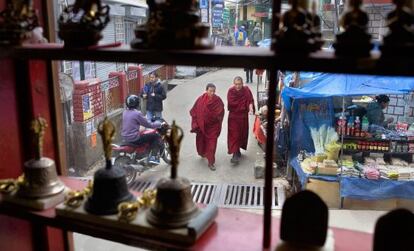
column 207, row 116
column 240, row 104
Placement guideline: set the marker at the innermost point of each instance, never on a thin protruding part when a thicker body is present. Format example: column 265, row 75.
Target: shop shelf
column 322, row 61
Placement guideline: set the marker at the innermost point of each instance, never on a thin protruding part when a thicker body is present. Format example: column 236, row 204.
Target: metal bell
column 174, row 206
column 109, row 183
column 109, row 190
column 40, row 179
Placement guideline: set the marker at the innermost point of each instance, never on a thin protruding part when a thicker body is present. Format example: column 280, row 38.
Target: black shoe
column 234, row 159
column 212, row 167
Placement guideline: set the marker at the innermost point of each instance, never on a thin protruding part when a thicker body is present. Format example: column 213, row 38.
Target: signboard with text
column 217, row 14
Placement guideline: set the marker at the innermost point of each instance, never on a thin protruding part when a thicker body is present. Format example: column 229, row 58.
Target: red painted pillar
column 81, row 89
column 15, row 234
column 122, row 83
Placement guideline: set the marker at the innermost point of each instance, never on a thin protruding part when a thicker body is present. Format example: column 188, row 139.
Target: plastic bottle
column 341, row 125
column 350, row 127
column 357, row 127
column 365, row 124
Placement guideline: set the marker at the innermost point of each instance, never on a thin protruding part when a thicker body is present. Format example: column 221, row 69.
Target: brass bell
column 174, row 206
column 40, row 177
column 109, row 184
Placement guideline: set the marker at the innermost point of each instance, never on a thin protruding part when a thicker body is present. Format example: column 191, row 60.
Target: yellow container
column 332, row 151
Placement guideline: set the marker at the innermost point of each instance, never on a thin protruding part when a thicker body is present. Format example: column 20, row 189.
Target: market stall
column 365, row 162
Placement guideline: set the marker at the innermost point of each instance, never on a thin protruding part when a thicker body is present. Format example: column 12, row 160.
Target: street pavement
column 177, row 106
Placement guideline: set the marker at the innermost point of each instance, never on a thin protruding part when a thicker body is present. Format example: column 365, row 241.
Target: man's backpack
column 240, row 36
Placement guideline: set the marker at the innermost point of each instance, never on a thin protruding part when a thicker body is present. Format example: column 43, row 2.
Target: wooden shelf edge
column 237, row 57
column 48, row 218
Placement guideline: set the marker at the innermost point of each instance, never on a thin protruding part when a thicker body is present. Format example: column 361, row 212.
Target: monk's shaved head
column 238, row 83
column 210, row 85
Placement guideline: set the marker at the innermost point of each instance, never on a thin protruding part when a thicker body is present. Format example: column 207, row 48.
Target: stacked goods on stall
column 324, row 160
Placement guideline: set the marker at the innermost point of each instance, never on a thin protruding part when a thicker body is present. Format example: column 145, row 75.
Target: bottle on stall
column 357, row 127
column 365, row 124
column 341, row 125
column 350, row 127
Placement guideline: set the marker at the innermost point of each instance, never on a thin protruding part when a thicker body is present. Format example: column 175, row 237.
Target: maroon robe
column 238, row 123
column 207, row 117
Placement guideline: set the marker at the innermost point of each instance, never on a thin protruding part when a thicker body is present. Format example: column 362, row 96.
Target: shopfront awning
column 133, row 3
column 330, row 85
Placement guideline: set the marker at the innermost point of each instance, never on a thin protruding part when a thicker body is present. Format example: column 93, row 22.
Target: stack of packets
column 349, row 167
column 375, row 168
column 325, row 167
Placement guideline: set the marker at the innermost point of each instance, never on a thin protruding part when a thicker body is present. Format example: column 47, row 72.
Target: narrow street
column 177, row 106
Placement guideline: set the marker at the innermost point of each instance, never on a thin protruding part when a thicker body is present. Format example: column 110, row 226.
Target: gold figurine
column 38, row 127
column 174, row 141
column 107, row 131
column 127, row 211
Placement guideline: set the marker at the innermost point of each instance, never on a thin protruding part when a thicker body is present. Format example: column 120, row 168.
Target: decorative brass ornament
column 172, row 24
column 109, row 183
column 174, row 206
column 127, row 211
column 16, row 21
column 39, row 126
column 107, row 131
column 8, row 186
column 355, row 41
column 80, row 24
column 75, row 198
column 40, row 177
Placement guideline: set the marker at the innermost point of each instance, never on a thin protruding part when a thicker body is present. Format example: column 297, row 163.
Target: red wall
column 15, row 234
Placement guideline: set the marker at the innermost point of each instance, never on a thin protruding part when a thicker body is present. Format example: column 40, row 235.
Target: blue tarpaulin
column 304, row 77
column 382, row 189
column 330, row 85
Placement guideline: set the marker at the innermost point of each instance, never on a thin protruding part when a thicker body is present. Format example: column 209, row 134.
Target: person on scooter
column 132, row 119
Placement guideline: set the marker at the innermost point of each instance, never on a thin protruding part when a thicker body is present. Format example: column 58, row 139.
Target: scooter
column 135, row 159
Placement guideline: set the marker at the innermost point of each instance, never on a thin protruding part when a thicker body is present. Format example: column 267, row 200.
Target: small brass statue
column 296, row 36
column 400, row 39
column 17, row 21
column 80, row 24
column 109, row 183
column 354, row 41
column 172, row 24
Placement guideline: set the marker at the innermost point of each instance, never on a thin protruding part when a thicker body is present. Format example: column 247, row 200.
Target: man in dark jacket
column 154, row 93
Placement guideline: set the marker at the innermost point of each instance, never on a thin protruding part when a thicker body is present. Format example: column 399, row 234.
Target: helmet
column 382, row 99
column 132, row 102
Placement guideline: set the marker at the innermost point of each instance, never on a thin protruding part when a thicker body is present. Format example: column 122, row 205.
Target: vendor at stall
column 375, row 112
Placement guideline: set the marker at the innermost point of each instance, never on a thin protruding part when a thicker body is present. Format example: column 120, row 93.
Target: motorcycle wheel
column 123, row 162
column 165, row 154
